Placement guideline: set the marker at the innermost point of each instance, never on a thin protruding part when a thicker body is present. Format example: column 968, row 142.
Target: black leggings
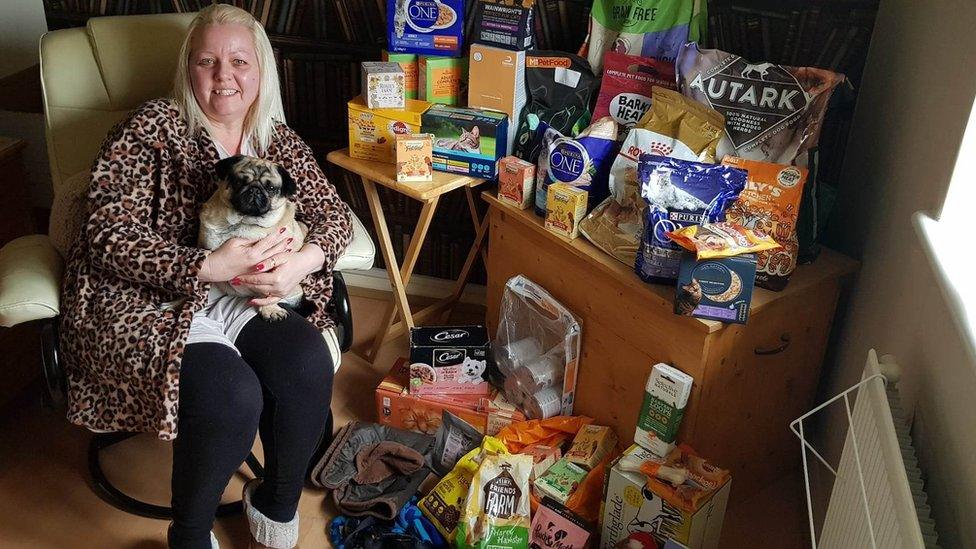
column 281, row 386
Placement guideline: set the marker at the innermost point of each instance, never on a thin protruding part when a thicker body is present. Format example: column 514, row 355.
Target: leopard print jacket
column 137, row 251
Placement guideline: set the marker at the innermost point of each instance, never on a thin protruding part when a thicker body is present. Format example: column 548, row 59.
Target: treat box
column 627, row 504
column 555, row 527
column 716, row 289
column 396, row 407
column 665, row 397
column 449, row 360
column 383, row 84
column 504, row 23
column 496, row 81
column 516, row 182
column 372, row 132
column 426, row 27
column 591, row 444
column 467, row 141
column 440, row 79
column 565, row 208
column 560, row 481
column 543, row 457
column 407, row 62
column 413, row 157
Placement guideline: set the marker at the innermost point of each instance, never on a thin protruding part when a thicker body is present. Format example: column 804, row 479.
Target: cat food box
column 665, row 397
column 425, row 27
column 555, row 527
column 560, row 481
column 716, row 289
column 448, row 360
column 504, row 23
column 591, row 445
column 566, row 207
column 631, row 504
column 496, row 81
column 383, row 85
column 372, row 132
column 408, row 62
column 396, row 407
column 413, row 157
column 516, row 181
column 467, row 141
column 440, row 79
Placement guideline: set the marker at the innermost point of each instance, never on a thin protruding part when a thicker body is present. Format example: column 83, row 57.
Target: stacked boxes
column 497, row 82
column 440, row 79
column 407, row 62
column 466, row 141
column 372, row 132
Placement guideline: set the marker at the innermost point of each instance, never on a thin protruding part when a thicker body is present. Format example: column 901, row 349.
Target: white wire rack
column 877, row 497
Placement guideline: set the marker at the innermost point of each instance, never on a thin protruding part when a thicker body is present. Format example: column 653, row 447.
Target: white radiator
column 878, row 498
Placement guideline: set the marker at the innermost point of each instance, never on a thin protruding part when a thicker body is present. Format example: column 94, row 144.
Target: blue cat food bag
column 425, row 27
column 582, row 162
column 679, row 193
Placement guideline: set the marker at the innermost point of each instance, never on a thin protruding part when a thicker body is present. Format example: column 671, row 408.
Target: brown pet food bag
column 770, row 203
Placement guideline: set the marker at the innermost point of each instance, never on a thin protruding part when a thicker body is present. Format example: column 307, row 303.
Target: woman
column 150, row 344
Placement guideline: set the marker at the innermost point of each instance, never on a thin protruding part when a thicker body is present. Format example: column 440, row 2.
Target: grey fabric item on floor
column 273, row 534
column 383, row 497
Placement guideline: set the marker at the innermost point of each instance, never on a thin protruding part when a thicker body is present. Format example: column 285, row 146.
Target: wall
column 20, row 27
column 916, row 95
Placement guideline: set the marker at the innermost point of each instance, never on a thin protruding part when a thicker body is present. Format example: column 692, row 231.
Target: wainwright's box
column 396, row 407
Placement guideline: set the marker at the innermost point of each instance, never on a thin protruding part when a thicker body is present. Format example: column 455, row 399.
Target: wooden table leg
column 475, row 218
column 406, row 271
column 389, row 258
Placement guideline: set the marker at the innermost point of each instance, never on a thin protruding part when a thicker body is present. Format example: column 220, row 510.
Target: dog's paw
column 272, row 313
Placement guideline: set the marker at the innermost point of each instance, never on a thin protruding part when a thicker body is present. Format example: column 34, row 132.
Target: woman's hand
column 276, row 277
column 240, row 255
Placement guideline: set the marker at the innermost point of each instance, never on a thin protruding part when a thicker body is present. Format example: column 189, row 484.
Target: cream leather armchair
column 91, row 77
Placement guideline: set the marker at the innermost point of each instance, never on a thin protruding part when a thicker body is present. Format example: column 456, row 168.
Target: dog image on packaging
column 448, row 360
column 566, row 207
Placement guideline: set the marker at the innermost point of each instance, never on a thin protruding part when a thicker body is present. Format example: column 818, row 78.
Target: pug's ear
column 223, row 167
column 288, row 187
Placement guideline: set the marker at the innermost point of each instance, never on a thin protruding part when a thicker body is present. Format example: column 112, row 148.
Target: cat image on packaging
column 665, row 397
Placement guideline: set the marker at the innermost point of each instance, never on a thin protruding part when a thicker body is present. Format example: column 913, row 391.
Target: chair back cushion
column 91, row 77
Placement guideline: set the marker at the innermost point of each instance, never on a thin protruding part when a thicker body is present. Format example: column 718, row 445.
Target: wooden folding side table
column 429, row 194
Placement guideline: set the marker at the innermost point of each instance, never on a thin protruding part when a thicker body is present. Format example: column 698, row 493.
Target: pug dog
column 252, row 200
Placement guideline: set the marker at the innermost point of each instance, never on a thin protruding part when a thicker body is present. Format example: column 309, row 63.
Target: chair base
column 124, row 502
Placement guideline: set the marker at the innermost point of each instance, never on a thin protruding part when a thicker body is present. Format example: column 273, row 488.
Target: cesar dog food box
column 449, row 360
column 467, row 141
column 372, row 131
column 425, row 27
column 396, row 407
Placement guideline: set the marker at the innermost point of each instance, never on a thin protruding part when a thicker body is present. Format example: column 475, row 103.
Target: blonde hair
column 266, row 111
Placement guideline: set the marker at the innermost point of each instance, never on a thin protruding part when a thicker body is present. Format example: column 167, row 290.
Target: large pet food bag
column 649, row 28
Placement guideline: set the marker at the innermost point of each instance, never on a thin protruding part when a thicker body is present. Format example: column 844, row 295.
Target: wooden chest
column 750, row 381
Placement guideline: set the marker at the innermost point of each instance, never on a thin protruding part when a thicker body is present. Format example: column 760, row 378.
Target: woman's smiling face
column 224, row 72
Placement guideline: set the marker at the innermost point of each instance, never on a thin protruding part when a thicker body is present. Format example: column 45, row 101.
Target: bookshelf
column 319, row 44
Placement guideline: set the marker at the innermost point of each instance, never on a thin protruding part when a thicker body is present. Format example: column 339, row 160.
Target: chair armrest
column 360, row 252
column 30, row 280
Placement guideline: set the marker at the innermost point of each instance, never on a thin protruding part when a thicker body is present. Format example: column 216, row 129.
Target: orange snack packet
column 770, row 203
column 722, row 239
column 553, row 431
column 684, row 479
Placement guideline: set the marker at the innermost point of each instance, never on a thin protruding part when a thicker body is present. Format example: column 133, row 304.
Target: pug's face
column 254, row 186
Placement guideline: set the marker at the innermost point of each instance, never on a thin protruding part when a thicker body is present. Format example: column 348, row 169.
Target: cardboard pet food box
column 496, row 81
column 632, row 504
column 504, row 23
column 408, row 62
column 425, row 27
column 449, row 360
column 441, row 79
column 716, row 289
column 396, row 407
column 566, row 207
column 467, row 141
column 413, row 157
column 372, row 132
column 383, row 85
column 516, row 182
column 666, row 395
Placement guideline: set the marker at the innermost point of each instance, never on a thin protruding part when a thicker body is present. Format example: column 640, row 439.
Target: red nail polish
column 289, row 240
column 259, row 267
column 281, row 230
column 287, row 249
column 235, row 282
